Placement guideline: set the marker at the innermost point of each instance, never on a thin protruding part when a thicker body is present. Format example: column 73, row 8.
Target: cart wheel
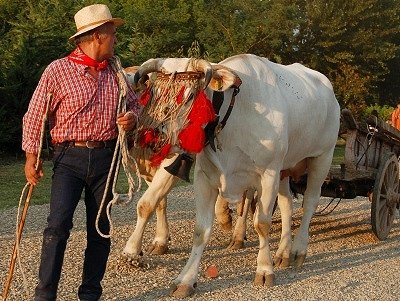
column 384, row 197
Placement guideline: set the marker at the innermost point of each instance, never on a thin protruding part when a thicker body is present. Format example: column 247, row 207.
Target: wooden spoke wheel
column 385, row 196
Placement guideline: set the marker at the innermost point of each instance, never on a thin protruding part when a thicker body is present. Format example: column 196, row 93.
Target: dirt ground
column 345, row 261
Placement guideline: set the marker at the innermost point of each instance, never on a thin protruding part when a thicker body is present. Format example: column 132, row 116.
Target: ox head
column 176, row 107
column 214, row 76
column 175, row 66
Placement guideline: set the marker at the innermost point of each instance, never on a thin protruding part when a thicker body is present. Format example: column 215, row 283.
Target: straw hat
column 93, row 16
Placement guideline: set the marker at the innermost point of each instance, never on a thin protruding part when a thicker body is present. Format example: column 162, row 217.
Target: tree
column 154, row 29
column 355, row 43
column 229, row 27
column 32, row 37
column 351, row 42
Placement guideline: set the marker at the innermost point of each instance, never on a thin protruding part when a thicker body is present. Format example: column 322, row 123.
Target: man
column 395, row 117
column 83, row 121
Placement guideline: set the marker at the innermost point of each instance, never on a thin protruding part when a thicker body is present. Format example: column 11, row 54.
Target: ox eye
column 218, row 84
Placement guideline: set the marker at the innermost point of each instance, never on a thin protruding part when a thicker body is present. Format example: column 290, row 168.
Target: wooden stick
column 17, row 241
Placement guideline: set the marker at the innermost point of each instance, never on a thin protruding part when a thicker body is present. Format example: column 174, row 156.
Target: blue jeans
column 76, row 169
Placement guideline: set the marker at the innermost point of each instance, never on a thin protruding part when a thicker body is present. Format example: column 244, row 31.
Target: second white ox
column 283, row 117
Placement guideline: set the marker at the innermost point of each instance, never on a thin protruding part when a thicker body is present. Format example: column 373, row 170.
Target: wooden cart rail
column 366, row 145
column 370, row 168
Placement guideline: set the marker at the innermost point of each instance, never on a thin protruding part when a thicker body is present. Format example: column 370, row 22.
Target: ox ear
column 222, row 79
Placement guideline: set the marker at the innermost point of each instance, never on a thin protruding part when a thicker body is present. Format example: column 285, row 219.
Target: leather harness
column 213, row 128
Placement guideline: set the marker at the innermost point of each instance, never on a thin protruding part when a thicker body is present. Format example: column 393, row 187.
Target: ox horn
column 152, row 65
column 205, row 67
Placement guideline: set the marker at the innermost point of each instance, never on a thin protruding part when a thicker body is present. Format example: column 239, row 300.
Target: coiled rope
column 121, row 155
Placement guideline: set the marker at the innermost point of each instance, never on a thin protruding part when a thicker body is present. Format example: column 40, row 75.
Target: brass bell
column 181, row 167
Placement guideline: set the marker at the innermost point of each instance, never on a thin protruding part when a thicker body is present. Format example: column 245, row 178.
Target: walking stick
column 26, row 205
column 17, row 241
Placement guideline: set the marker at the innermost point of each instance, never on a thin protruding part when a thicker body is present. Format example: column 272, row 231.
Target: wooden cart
column 370, row 169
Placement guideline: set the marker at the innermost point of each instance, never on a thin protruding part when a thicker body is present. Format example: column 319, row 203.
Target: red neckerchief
column 79, row 57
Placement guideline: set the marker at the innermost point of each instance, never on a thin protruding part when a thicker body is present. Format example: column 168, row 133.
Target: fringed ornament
column 179, row 97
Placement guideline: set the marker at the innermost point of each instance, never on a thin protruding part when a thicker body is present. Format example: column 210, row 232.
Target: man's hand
column 126, row 120
column 32, row 174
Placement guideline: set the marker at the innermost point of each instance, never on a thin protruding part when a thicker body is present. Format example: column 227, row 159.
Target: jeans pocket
column 59, row 152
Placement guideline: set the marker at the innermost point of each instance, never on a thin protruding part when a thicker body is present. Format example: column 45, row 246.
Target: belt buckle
column 89, row 144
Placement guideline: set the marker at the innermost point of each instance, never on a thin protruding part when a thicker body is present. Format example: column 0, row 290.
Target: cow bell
column 181, row 167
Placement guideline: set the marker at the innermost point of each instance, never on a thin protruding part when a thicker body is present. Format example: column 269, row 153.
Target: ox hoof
column 133, row 260
column 262, row 279
column 282, row 262
column 235, row 245
column 297, row 261
column 157, row 249
column 181, row 290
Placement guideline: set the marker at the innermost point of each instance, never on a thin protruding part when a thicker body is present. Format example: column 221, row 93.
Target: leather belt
column 90, row 144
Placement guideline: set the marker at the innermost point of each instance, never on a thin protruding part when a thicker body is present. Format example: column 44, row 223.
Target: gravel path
column 345, row 261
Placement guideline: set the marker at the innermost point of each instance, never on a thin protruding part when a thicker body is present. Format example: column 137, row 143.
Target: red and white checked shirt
column 82, row 107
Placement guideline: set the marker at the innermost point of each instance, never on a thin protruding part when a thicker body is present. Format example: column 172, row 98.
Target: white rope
column 17, row 235
column 121, row 155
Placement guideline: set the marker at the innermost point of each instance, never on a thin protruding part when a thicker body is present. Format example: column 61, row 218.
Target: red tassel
column 158, row 157
column 147, row 137
column 179, row 97
column 146, row 96
column 202, row 111
column 192, row 138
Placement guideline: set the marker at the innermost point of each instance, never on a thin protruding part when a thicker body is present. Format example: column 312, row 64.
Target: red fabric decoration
column 192, row 138
column 145, row 97
column 179, row 97
column 158, row 157
column 79, row 57
column 147, row 137
column 202, row 111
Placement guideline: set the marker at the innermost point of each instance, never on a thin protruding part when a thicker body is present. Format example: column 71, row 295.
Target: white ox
column 155, row 200
column 284, row 117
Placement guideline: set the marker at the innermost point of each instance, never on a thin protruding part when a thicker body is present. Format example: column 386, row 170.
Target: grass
column 12, row 180
column 338, row 156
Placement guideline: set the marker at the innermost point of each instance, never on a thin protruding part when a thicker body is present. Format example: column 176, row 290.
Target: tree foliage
column 355, row 43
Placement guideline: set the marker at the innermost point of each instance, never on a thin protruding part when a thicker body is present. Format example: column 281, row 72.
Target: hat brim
column 116, row 21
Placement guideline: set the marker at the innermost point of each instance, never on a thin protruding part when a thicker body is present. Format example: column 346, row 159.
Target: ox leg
column 285, row 203
column 318, row 168
column 262, row 224
column 223, row 214
column 159, row 246
column 239, row 233
column 157, row 190
column 185, row 283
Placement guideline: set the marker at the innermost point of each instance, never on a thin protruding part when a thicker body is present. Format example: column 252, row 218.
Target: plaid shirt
column 82, row 107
